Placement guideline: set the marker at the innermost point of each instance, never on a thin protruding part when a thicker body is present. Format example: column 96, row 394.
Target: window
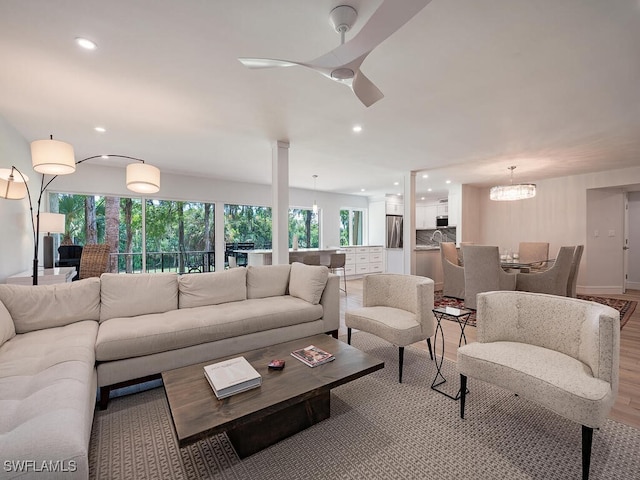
column 99, row 219
column 179, row 236
column 304, row 224
column 351, row 227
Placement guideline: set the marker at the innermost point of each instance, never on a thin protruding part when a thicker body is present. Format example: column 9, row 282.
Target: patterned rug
column 625, row 307
column 378, row 429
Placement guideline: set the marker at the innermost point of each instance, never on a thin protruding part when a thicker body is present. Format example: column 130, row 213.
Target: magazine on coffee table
column 232, row 376
column 312, row 356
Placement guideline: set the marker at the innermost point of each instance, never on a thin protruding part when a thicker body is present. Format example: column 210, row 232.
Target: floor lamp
column 53, row 157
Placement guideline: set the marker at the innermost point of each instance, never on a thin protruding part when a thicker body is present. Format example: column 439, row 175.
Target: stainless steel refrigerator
column 394, row 231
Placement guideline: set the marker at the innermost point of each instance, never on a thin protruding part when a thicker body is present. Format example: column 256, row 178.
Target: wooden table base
column 254, row 436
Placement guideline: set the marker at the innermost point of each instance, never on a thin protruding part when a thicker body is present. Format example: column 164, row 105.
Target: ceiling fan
column 342, row 64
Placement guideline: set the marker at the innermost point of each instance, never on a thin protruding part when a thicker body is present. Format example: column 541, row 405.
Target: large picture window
column 351, row 227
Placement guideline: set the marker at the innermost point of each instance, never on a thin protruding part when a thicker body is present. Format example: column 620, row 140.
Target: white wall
column 633, row 280
column 16, row 241
column 558, row 215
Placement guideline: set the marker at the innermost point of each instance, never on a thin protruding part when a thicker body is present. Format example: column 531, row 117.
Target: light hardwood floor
column 627, row 407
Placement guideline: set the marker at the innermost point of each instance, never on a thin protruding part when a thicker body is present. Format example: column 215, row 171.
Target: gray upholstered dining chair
column 453, row 273
column 483, row 273
column 535, row 254
column 573, row 273
column 553, row 281
column 396, row 308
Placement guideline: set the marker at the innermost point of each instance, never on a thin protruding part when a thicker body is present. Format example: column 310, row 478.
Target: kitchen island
column 429, row 264
column 264, row 257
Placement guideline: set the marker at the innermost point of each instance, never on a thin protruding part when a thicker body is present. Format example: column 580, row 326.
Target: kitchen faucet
column 433, row 235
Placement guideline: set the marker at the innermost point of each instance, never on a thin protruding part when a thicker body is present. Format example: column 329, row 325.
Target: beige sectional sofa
column 59, row 342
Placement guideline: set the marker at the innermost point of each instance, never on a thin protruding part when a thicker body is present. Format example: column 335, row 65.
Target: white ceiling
column 471, row 87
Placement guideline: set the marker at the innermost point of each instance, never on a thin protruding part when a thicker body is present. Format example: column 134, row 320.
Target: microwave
column 442, row 221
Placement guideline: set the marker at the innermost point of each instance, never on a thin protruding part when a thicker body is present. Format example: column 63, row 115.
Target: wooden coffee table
column 287, row 402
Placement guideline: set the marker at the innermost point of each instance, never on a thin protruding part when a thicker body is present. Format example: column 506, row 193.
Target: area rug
column 625, row 307
column 378, row 429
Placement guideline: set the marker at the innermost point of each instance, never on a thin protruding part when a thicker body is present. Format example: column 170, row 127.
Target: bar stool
column 337, row 262
column 311, row 260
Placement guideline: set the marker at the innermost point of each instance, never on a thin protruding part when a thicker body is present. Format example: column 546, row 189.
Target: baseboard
column 599, row 290
column 633, row 285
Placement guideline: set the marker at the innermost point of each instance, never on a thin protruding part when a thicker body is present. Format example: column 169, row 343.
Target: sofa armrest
column 330, row 302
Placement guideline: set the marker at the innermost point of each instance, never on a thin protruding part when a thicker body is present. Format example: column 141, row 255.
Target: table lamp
column 50, row 223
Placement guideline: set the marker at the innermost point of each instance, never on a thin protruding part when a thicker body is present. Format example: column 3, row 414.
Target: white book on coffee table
column 232, row 376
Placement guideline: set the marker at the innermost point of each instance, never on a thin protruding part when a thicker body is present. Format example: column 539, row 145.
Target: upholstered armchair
column 562, row 353
column 94, row 260
column 483, row 273
column 453, row 273
column 553, row 281
column 396, row 308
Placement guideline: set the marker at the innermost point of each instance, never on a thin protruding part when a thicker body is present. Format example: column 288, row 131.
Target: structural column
column 280, row 202
column 409, row 223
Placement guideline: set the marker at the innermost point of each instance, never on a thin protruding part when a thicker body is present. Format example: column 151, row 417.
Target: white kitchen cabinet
column 442, row 209
column 362, row 260
column 430, row 216
column 395, row 208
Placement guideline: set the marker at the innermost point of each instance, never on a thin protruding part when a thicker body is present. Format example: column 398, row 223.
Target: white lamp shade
column 52, row 157
column 51, row 222
column 143, row 178
column 12, row 188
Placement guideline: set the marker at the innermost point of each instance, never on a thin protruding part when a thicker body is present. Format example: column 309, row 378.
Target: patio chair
column 94, row 260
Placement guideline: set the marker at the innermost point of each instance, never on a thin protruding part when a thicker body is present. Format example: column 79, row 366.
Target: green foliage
column 344, row 228
column 304, row 224
column 247, row 223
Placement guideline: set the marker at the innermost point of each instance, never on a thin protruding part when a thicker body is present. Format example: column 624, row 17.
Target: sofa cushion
column 147, row 334
column 128, row 295
column 212, row 288
column 267, row 280
column 7, row 328
column 308, row 281
column 47, row 306
column 47, row 396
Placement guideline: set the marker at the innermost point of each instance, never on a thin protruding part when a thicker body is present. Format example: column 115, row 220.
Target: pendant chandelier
column 512, row 192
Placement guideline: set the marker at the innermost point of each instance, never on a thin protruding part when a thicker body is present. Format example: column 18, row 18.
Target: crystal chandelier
column 512, row 192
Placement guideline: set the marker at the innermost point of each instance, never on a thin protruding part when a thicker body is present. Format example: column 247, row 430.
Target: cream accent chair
column 573, row 273
column 453, row 273
column 554, row 281
column 483, row 273
column 396, row 308
column 559, row 352
column 534, row 253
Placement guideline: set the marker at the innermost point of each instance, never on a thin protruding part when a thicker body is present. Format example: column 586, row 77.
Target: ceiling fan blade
column 266, row 62
column 390, row 16
column 365, row 90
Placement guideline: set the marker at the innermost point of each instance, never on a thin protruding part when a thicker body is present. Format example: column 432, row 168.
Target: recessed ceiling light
column 86, row 43
column 428, row 190
column 105, row 157
column 357, row 128
column 399, row 194
column 421, row 198
column 100, row 129
column 362, row 189
column 448, row 181
column 425, row 176
column 396, row 183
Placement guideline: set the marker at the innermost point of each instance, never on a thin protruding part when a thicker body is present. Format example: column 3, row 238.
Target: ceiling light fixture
column 315, row 204
column 100, row 129
column 448, row 182
column 357, row 128
column 512, row 192
column 362, row 189
column 396, row 183
column 53, row 157
column 86, row 43
column 425, row 176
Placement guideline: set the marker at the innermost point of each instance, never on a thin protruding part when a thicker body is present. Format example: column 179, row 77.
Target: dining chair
column 483, row 273
column 311, row 259
column 453, row 273
column 534, row 253
column 94, row 260
column 573, row 273
column 337, row 262
column 553, row 281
